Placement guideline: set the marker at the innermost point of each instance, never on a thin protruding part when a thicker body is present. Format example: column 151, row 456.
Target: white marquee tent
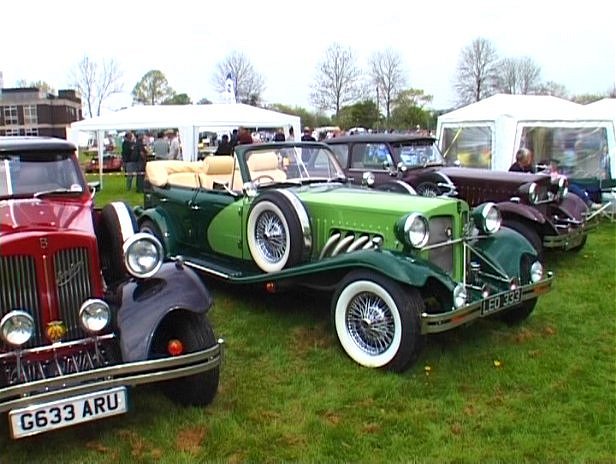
column 190, row 120
column 488, row 133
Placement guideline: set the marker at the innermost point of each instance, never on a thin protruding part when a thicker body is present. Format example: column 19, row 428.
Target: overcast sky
column 574, row 43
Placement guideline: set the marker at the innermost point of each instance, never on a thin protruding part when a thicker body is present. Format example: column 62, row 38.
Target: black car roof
column 34, row 143
column 380, row 137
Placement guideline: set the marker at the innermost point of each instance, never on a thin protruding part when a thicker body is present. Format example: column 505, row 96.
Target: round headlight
column 17, row 327
column 143, row 255
column 536, row 272
column 94, row 315
column 563, row 187
column 487, row 218
column 367, row 179
column 459, row 296
column 416, row 230
column 533, row 193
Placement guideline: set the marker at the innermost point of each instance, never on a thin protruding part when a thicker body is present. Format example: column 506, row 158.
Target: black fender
column 144, row 304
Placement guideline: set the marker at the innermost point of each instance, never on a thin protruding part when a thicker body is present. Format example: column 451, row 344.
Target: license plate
column 501, row 301
column 62, row 413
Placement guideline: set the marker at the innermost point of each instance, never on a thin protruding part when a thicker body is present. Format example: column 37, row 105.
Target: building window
column 31, row 131
column 10, row 115
column 30, row 115
column 11, row 132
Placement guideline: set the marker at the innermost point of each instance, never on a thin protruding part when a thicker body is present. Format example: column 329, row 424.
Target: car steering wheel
column 257, row 180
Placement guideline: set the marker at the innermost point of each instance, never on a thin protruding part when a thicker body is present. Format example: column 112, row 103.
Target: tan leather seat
column 216, row 169
column 173, row 172
column 266, row 164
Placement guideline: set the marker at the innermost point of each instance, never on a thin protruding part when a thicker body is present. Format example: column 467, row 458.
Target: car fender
column 144, row 303
column 520, row 210
column 503, row 248
column 164, row 223
column 573, row 207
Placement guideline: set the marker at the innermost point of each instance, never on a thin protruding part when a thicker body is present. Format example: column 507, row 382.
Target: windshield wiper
column 56, row 191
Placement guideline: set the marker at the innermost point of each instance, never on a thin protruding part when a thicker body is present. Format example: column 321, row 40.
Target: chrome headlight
column 533, row 193
column 563, row 188
column 94, row 315
column 367, row 179
column 536, row 272
column 414, row 230
column 143, row 255
column 459, row 296
column 487, row 218
column 17, row 327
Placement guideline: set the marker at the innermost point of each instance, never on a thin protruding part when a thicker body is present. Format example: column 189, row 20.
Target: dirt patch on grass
column 190, row 439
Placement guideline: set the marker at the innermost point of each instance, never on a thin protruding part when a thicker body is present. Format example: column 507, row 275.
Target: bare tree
column 477, row 72
column 152, row 89
column 553, row 88
column 520, row 76
column 41, row 85
column 337, row 81
column 247, row 82
column 96, row 82
column 387, row 74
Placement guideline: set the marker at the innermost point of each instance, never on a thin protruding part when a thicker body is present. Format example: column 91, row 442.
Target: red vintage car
column 111, row 163
column 88, row 308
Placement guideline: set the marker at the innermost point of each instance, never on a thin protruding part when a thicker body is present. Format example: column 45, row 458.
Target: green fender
column 164, row 223
column 505, row 249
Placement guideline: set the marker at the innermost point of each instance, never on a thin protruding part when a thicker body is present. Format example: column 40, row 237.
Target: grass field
column 544, row 391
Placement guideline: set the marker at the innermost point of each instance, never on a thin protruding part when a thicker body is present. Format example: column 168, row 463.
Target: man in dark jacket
column 130, row 166
column 224, row 147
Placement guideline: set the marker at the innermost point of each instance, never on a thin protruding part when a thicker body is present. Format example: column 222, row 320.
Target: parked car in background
column 531, row 204
column 111, row 163
column 398, row 267
column 88, row 308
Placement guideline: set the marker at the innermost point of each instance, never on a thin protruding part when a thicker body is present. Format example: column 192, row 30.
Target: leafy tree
column 337, row 80
column 41, row 85
column 586, row 98
column 96, row 82
column 477, row 72
column 387, row 74
column 409, row 111
column 248, row 83
column 520, row 76
column 152, row 89
column 178, row 99
column 361, row 114
column 307, row 117
column 204, row 101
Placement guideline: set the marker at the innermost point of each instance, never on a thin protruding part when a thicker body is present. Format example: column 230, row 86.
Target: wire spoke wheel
column 370, row 323
column 271, row 236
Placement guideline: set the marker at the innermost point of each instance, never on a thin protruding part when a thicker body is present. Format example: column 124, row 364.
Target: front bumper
column 570, row 236
column 435, row 323
column 127, row 374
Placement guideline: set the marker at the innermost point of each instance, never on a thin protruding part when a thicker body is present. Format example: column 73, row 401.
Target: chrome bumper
column 435, row 323
column 127, row 374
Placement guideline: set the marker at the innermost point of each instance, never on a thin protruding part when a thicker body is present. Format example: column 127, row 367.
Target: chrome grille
column 18, row 290
column 72, row 274
column 441, row 230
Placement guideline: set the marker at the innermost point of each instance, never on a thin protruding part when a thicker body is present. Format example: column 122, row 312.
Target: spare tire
column 117, row 224
column 275, row 231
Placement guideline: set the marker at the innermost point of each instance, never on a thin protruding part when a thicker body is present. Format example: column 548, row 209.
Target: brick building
column 32, row 111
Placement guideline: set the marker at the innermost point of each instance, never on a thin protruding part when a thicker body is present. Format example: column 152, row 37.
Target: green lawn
column 544, row 391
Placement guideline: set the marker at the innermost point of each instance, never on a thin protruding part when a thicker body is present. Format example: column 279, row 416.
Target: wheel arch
column 164, row 224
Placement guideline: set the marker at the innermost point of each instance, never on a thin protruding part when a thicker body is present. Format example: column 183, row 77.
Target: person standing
column 291, row 134
column 140, row 156
column 160, row 147
column 130, row 167
column 224, row 147
column 307, row 137
column 175, row 151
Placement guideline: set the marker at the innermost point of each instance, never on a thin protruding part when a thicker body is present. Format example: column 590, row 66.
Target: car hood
column 41, row 214
column 338, row 200
column 484, row 176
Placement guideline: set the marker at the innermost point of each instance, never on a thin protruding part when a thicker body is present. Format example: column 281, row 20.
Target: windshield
column 292, row 163
column 414, row 155
column 26, row 174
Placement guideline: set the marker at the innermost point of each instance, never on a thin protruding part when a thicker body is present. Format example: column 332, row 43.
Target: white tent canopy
column 488, row 133
column 188, row 119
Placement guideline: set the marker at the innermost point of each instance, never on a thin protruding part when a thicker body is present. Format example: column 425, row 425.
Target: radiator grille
column 72, row 274
column 18, row 290
column 441, row 230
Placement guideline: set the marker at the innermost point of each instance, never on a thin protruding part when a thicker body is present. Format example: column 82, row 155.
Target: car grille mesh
column 18, row 290
column 71, row 279
column 441, row 230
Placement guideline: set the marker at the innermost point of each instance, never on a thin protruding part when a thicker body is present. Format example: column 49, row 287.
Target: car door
column 374, row 157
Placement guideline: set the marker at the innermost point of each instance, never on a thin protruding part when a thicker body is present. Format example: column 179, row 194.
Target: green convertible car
column 399, row 267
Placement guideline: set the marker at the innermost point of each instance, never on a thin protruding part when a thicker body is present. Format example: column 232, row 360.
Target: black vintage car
column 88, row 308
column 532, row 204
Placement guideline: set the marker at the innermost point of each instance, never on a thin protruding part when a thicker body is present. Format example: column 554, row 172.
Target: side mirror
column 93, row 187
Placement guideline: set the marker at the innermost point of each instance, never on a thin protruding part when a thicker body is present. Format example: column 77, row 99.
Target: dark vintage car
column 88, row 308
column 532, row 204
column 399, row 267
column 111, row 163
